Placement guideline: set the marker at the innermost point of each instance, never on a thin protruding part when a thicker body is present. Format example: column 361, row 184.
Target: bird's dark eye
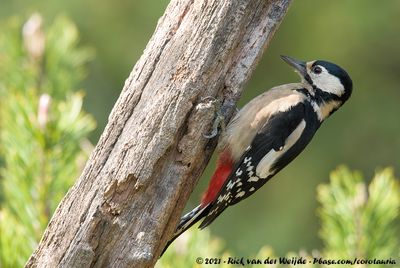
column 317, row 70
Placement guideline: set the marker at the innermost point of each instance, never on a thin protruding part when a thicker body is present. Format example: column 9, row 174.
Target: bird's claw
column 219, row 121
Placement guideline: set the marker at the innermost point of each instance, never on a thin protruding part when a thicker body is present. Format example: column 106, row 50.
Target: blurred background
column 361, row 36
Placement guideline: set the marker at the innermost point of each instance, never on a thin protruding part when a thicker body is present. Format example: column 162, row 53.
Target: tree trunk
column 127, row 202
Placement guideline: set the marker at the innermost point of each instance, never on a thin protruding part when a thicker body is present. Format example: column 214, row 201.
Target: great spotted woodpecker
column 267, row 134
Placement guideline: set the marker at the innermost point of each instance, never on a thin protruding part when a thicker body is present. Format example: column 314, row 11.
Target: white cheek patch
column 263, row 169
column 327, row 82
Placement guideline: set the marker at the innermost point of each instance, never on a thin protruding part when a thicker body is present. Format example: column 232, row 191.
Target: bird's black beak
column 299, row 66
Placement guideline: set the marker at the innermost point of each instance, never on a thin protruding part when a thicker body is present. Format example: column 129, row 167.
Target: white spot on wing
column 263, row 169
column 240, row 194
column 254, row 179
column 239, row 172
column 214, row 211
column 230, row 185
column 252, row 189
column 224, row 198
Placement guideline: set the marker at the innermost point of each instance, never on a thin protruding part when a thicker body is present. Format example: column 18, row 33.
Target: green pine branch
column 359, row 221
column 42, row 128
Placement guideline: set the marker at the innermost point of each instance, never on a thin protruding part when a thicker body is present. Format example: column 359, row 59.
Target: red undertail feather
column 221, row 173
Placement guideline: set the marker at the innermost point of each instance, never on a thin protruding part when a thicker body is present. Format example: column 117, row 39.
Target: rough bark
column 127, row 201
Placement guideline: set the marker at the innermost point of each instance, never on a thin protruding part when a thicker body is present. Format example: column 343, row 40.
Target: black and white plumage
column 268, row 133
column 276, row 144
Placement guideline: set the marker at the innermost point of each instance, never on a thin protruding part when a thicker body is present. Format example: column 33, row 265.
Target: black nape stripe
column 323, row 96
column 320, row 96
column 309, row 80
column 304, row 91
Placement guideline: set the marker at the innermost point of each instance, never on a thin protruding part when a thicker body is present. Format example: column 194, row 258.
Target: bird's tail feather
column 187, row 221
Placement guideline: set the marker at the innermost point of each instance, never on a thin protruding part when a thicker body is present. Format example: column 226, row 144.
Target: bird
column 267, row 134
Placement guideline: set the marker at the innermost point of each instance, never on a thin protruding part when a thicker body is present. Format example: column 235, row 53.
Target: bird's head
column 328, row 80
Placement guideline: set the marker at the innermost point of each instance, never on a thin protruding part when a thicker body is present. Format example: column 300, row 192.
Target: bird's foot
column 219, row 120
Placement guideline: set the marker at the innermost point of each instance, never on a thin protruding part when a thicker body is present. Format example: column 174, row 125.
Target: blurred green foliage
column 361, row 36
column 42, row 129
column 357, row 222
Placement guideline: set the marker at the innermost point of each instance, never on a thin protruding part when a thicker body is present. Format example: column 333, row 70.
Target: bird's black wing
column 273, row 147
